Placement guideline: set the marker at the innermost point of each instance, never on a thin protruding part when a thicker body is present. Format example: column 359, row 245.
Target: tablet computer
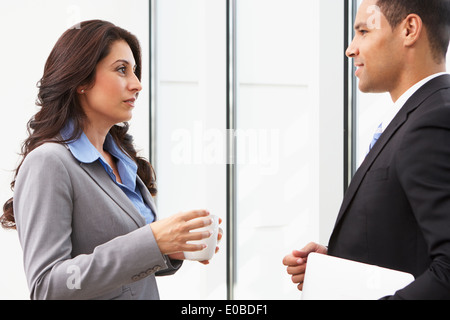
column 332, row 278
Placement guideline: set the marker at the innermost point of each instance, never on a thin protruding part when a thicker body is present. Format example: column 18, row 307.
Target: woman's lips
column 130, row 102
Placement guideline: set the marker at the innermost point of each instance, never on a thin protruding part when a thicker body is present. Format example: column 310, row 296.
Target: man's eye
column 362, row 32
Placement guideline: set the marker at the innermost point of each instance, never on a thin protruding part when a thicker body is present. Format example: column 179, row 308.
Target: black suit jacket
column 396, row 211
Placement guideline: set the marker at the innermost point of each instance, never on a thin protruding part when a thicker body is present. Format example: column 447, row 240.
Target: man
column 396, row 211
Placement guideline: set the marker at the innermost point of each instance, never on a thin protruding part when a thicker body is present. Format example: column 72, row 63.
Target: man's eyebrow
column 361, row 25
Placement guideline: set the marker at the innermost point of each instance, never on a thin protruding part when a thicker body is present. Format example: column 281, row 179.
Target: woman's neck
column 96, row 136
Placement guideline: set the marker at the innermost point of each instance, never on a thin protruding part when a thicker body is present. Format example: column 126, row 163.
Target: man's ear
column 412, row 29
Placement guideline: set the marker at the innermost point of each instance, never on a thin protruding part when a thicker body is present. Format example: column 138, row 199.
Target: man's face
column 376, row 50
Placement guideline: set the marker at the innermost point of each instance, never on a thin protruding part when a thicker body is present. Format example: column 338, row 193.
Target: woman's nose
column 135, row 84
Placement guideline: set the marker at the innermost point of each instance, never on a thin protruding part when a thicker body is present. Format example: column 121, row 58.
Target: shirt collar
column 404, row 98
column 83, row 150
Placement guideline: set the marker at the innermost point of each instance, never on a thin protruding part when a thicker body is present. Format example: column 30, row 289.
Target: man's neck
column 410, row 78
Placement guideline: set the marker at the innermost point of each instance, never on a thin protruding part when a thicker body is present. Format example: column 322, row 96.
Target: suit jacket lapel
column 413, row 103
column 96, row 171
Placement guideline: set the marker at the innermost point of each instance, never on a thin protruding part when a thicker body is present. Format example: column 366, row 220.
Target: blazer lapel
column 146, row 195
column 96, row 171
column 412, row 104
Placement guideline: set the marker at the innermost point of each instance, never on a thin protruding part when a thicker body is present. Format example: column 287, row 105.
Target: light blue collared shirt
column 83, row 150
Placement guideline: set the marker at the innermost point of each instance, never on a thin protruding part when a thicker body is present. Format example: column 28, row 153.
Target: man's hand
column 296, row 262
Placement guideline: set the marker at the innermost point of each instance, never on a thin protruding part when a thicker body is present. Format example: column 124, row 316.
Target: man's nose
column 352, row 50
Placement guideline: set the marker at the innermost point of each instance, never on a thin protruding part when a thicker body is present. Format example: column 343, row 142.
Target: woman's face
column 116, row 87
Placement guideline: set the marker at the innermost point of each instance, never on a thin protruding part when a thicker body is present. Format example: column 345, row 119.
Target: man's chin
column 366, row 87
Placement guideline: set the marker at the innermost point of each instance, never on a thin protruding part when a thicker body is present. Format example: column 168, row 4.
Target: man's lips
column 358, row 66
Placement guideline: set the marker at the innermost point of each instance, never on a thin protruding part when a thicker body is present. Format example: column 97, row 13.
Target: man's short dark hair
column 435, row 15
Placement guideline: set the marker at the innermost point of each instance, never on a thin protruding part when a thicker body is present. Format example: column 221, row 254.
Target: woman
column 82, row 203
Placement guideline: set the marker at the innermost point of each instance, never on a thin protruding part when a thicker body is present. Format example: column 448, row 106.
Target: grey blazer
column 82, row 238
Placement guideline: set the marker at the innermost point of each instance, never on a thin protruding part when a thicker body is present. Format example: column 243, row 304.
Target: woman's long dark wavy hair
column 71, row 64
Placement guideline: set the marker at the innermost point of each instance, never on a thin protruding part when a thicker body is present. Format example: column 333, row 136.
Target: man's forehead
column 369, row 16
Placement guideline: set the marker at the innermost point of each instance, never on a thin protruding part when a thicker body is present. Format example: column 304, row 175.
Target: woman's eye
column 122, row 70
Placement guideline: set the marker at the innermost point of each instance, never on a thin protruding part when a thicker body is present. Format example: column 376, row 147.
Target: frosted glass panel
column 190, row 129
column 284, row 137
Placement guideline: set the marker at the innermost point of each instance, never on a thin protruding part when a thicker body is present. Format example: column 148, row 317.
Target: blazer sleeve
column 43, row 204
column 423, row 163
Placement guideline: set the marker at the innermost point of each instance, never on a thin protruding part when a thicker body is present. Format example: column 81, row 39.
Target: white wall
column 29, row 29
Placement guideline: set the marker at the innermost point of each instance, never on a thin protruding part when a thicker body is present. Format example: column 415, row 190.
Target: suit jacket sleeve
column 423, row 164
column 43, row 206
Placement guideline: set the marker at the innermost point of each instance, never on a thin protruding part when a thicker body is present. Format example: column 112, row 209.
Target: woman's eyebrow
column 125, row 62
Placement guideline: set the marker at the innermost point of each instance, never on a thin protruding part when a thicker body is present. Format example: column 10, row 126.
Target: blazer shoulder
column 435, row 108
column 47, row 165
column 48, row 155
column 440, row 82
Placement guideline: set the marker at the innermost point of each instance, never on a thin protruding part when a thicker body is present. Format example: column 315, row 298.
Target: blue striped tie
column 376, row 136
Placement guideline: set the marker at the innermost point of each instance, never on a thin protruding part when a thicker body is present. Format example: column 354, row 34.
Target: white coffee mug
column 210, row 242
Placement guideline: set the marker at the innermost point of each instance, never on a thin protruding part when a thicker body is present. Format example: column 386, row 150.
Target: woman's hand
column 180, row 255
column 173, row 233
